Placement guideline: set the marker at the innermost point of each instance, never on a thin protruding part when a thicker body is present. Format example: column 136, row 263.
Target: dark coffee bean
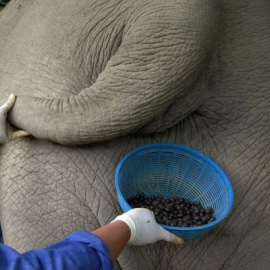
column 196, row 218
column 161, row 214
column 184, row 224
column 167, row 222
column 155, row 203
column 189, row 223
column 212, row 219
column 163, row 220
column 198, row 204
column 204, row 219
column 198, row 223
column 159, row 220
column 187, row 217
column 209, row 210
column 173, row 224
column 179, row 207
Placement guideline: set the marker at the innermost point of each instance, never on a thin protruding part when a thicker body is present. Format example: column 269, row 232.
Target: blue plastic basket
column 175, row 170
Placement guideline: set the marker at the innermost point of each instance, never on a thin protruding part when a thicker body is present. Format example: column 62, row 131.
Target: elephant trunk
column 156, row 62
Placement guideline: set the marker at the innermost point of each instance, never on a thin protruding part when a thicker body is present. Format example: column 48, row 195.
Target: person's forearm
column 80, row 250
column 115, row 236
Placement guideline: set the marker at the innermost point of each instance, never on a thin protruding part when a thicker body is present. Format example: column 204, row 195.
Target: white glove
column 144, row 228
column 6, row 131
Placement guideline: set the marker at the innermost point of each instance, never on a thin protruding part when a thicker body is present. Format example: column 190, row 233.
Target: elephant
column 97, row 79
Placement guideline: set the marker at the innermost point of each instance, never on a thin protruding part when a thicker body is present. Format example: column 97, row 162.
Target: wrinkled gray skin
column 109, row 76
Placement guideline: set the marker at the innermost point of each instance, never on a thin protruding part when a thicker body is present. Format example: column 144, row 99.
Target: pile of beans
column 177, row 212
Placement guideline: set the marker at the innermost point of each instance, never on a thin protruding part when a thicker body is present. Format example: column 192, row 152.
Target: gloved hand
column 144, row 228
column 6, row 131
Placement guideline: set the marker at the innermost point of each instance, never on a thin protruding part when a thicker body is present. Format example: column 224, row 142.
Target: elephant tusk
column 19, row 133
column 6, row 132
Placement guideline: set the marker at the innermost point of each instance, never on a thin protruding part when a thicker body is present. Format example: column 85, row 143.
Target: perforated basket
column 175, row 170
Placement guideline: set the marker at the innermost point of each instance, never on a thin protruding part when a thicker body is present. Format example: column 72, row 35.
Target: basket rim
column 193, row 152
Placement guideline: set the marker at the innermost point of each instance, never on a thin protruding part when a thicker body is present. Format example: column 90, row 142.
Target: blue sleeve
column 80, row 251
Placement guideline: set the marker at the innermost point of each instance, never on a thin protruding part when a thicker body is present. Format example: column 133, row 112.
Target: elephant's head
column 142, row 64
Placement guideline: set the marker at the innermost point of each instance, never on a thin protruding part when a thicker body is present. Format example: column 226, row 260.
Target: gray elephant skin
column 96, row 79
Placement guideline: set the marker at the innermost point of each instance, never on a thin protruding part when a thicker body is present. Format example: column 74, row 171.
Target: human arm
column 115, row 235
column 135, row 227
column 82, row 250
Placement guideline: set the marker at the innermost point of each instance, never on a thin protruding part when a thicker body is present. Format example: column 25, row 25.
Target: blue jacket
column 80, row 251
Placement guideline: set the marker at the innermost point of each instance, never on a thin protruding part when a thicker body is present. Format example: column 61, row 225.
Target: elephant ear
column 164, row 50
